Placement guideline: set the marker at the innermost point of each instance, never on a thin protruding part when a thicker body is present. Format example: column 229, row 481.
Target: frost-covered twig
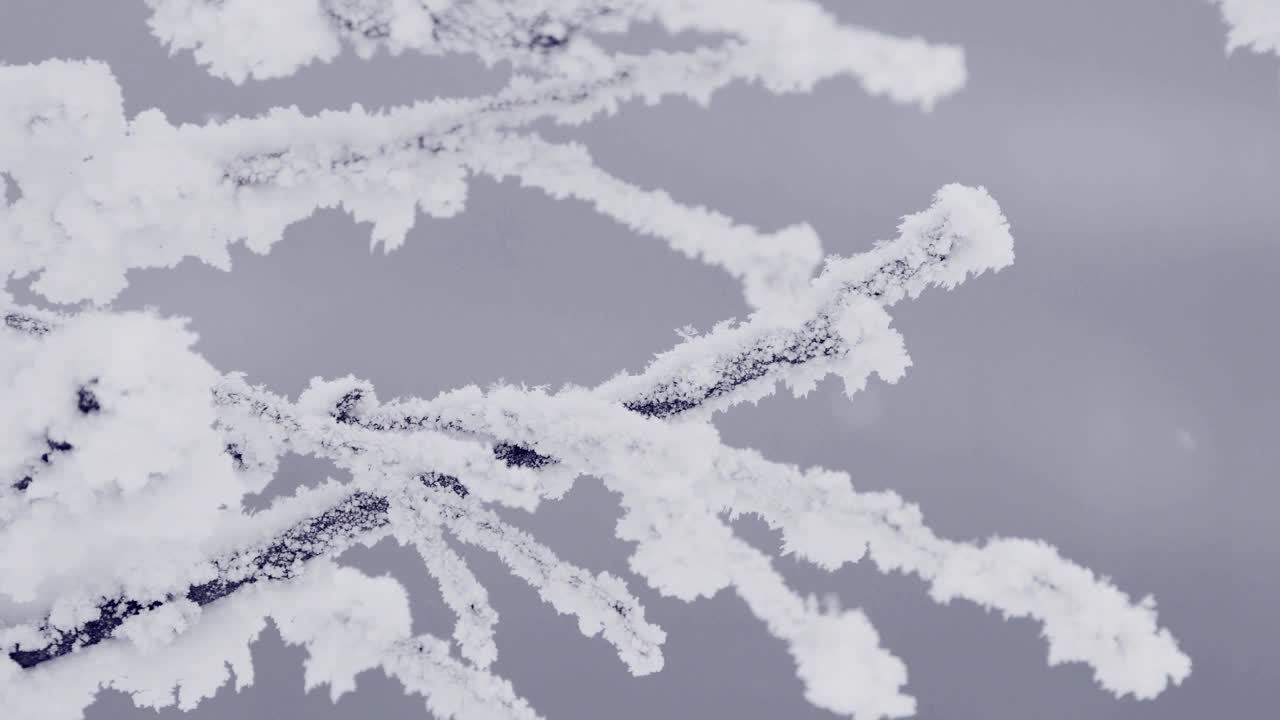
column 460, row 589
column 601, row 602
column 126, row 457
column 102, row 195
column 939, row 246
column 256, row 429
column 347, row 622
column 260, row 427
column 963, row 233
column 1086, row 619
column 798, row 38
column 352, row 518
column 821, row 518
column 772, row 268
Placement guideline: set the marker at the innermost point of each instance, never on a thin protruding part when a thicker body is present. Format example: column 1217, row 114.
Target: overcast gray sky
column 1113, row 393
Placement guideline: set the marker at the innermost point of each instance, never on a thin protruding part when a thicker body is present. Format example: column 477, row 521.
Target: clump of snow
column 113, row 473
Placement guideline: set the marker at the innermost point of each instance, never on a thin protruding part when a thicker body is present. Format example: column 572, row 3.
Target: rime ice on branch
column 127, row 558
column 962, row 234
column 102, row 194
column 798, row 40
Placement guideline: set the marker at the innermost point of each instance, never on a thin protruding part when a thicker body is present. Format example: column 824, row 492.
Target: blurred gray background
column 1113, row 393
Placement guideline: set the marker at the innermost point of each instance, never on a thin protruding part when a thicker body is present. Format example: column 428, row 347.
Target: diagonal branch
column 962, row 234
column 349, row 521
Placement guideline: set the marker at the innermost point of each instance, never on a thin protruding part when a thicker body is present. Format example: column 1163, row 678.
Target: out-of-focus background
column 1114, row 392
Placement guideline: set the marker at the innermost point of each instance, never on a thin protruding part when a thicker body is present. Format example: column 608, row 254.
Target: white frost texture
column 127, row 559
column 1252, row 24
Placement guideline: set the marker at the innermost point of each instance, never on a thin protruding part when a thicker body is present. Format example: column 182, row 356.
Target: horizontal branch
column 550, row 36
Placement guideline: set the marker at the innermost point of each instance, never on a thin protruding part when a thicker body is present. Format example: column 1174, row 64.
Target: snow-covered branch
column 128, row 557
column 799, row 42
column 338, row 421
column 347, row 622
column 629, row 444
column 348, row 517
column 650, row 462
column 772, row 268
column 102, row 194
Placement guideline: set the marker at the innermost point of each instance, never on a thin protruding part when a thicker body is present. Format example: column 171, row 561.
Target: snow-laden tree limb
column 346, row 518
column 934, row 247
column 962, row 234
column 1086, row 619
column 179, row 656
column 102, row 195
column 257, row 427
column 260, row 427
column 592, row 433
column 1252, row 24
column 128, row 558
column 800, row 41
